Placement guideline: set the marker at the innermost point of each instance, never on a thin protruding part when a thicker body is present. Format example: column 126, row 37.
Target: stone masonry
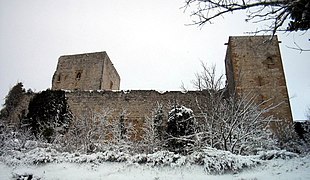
column 135, row 105
column 254, row 66
column 90, row 71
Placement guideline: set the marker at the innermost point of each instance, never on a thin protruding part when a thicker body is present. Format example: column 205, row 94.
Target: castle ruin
column 253, row 65
column 90, row 71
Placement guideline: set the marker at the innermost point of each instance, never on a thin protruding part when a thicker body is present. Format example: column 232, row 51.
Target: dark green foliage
column 180, row 129
column 12, row 100
column 158, row 123
column 300, row 15
column 121, row 126
column 48, row 114
column 299, row 130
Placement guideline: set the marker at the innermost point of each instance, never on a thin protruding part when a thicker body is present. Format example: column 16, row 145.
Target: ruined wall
column 137, row 104
column 254, row 65
column 20, row 111
column 90, row 71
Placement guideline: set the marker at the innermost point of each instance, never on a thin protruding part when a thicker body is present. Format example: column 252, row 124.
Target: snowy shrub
column 290, row 137
column 30, row 144
column 219, row 162
column 25, row 176
column 214, row 161
column 276, row 154
column 113, row 156
column 163, row 158
column 181, row 129
column 139, row 158
column 35, row 156
column 42, row 155
column 14, row 140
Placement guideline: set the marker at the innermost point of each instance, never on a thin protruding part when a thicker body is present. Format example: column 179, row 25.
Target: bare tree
column 99, row 130
column 86, row 132
column 272, row 15
column 281, row 15
column 233, row 123
column 122, row 132
column 207, row 79
column 236, row 124
column 152, row 138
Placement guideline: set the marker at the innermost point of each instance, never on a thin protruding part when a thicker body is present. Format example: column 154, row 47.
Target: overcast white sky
column 146, row 40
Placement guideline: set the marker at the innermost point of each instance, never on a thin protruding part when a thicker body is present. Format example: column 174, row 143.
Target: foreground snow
column 47, row 163
column 295, row 168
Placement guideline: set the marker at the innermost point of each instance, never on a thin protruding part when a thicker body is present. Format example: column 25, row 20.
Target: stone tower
column 90, row 71
column 254, row 65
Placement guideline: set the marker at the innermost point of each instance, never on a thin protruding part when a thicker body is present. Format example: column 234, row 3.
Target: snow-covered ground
column 50, row 164
column 295, row 168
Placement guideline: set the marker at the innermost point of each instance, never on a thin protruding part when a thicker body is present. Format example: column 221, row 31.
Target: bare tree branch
column 297, row 47
column 280, row 15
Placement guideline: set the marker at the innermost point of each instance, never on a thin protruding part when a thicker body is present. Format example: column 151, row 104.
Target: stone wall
column 90, row 71
column 254, row 65
column 137, row 104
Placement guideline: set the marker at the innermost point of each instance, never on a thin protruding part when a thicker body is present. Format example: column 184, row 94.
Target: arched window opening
column 58, row 78
column 78, row 76
column 270, row 62
column 111, row 84
column 259, row 81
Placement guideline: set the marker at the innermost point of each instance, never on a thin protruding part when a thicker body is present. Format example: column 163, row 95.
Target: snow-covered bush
column 25, row 176
column 163, row 158
column 276, row 154
column 181, row 129
column 291, row 137
column 15, row 140
column 219, row 162
column 214, row 161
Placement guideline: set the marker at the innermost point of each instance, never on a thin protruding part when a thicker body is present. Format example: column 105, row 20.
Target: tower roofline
column 84, row 54
column 246, row 36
